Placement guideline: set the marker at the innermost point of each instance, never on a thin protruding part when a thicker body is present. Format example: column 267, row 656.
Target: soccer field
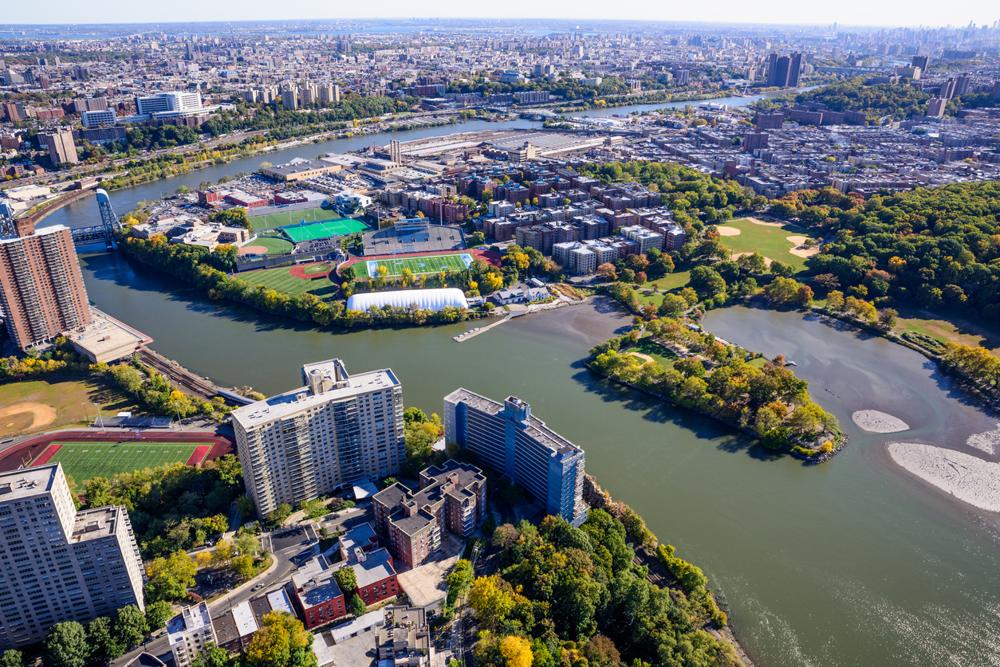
column 321, row 229
column 418, row 265
column 85, row 460
column 289, row 217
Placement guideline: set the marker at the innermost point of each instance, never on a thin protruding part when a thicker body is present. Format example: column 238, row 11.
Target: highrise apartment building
column 59, row 144
column 58, row 564
column 41, row 286
column 507, row 438
column 311, row 441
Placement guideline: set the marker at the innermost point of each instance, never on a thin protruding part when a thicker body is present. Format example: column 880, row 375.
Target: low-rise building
column 189, row 633
column 452, row 497
column 405, row 639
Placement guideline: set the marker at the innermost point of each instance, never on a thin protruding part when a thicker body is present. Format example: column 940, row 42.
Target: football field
column 86, row 460
column 419, row 265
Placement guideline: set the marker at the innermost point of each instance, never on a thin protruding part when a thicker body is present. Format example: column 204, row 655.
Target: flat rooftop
column 19, row 484
column 106, row 339
column 96, row 523
column 535, row 427
column 298, row 400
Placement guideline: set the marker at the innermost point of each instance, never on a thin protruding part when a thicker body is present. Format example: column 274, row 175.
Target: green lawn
column 418, row 265
column 768, row 240
column 31, row 406
column 322, row 229
column 281, row 218
column 669, row 282
column 85, row 460
column 275, row 245
column 651, row 348
column 282, row 280
column 947, row 330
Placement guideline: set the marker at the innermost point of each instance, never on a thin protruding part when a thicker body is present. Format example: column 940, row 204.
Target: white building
column 58, row 564
column 99, row 118
column 170, row 104
column 646, row 238
column 433, row 299
column 336, row 430
column 189, row 633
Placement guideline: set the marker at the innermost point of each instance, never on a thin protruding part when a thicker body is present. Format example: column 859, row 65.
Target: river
column 848, row 563
column 853, row 562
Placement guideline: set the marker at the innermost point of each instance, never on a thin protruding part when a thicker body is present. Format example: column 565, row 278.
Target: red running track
column 198, row 455
column 47, row 455
column 14, row 457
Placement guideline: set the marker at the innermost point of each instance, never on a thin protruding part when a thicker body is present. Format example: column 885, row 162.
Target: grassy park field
column 283, row 279
column 418, row 265
column 777, row 242
column 85, row 460
column 652, row 291
column 41, row 405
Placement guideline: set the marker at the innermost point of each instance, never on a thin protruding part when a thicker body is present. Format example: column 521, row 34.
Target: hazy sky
column 846, row 12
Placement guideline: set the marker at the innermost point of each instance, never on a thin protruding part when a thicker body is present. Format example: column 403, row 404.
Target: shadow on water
column 661, row 412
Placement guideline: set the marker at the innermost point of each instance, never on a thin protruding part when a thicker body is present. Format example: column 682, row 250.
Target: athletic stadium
column 321, row 229
column 420, row 265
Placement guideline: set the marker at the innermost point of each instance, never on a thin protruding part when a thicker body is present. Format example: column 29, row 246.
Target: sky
column 845, row 12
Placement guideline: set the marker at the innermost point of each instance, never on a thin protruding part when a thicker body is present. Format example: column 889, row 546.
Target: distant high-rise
column 41, row 286
column 58, row 564
column 921, row 61
column 307, row 442
column 59, row 143
column 784, row 71
column 507, row 438
column 290, row 98
column 395, row 152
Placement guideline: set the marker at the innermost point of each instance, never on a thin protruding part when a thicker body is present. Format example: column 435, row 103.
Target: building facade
column 311, row 441
column 41, row 285
column 507, row 438
column 59, row 144
column 58, row 564
column 452, row 497
column 190, row 633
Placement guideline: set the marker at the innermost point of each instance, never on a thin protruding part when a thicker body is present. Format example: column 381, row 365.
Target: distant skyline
column 846, row 12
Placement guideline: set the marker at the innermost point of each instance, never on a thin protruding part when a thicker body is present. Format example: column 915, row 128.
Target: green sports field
column 771, row 241
column 322, row 229
column 282, row 280
column 418, row 265
column 85, row 460
column 282, row 218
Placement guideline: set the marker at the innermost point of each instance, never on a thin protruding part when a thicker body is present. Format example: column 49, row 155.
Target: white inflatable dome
column 425, row 299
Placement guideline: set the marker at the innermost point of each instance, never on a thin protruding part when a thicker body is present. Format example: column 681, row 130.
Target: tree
column 887, row 318
column 214, row 656
column 169, row 578
column 243, row 565
column 157, row 615
column 278, row 516
column 103, row 642
column 66, row 645
column 835, row 300
column 281, row 641
column 707, row 282
column 346, row 579
column 607, row 271
column 129, row 625
column 459, row 581
column 356, row 606
column 11, row 658
column 516, row 651
column 492, row 599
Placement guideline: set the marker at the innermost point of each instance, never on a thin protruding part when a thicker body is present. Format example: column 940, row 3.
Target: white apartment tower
column 58, row 564
column 335, row 430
